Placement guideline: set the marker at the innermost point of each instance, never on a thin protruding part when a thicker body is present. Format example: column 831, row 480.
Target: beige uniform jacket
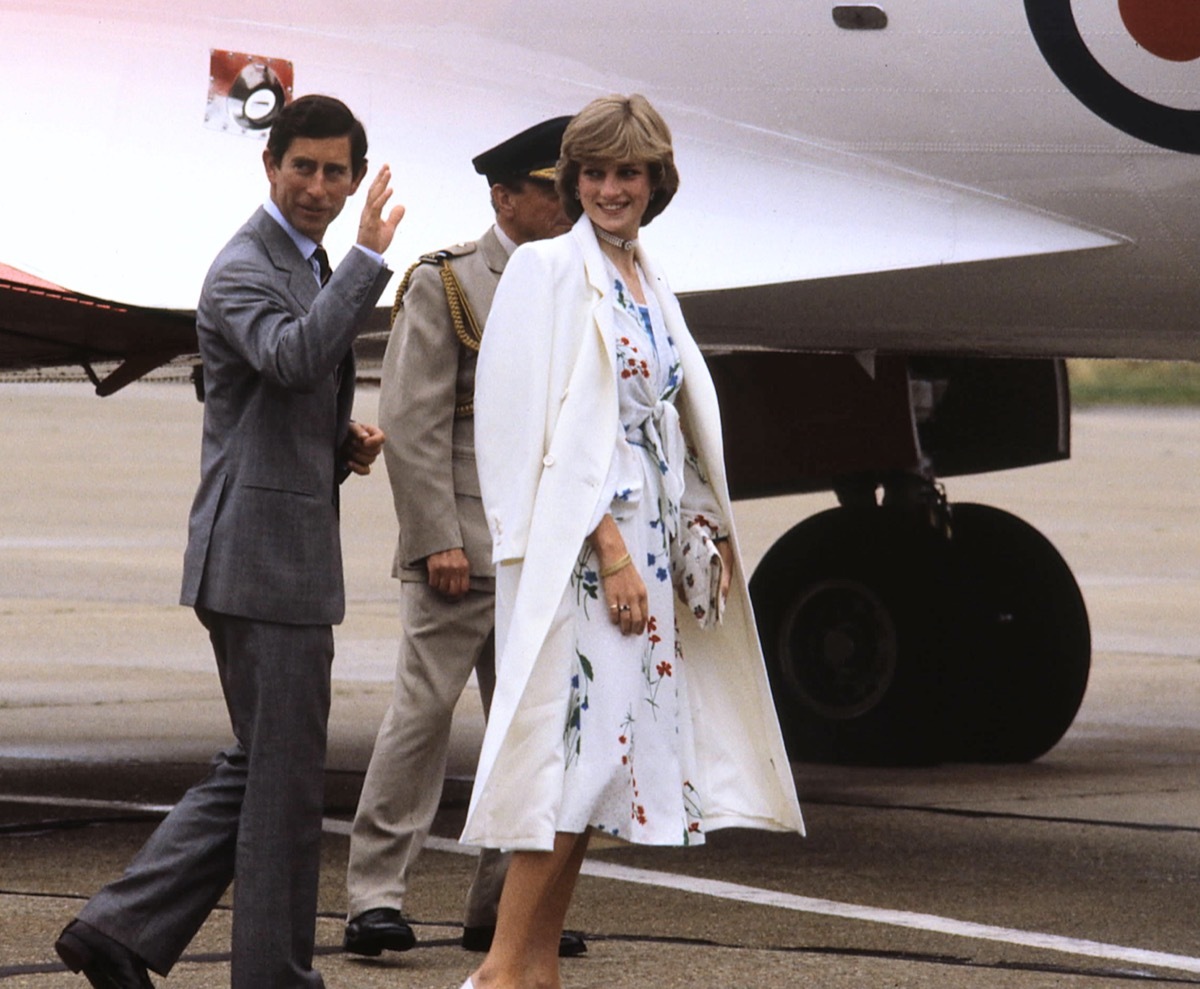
column 430, row 451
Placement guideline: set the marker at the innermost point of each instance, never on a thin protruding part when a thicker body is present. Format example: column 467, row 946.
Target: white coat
column 546, row 418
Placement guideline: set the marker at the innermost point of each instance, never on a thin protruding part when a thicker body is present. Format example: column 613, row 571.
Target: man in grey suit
column 263, row 570
column 444, row 555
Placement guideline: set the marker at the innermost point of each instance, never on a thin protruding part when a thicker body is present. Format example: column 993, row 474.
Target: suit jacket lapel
column 297, row 274
column 286, row 258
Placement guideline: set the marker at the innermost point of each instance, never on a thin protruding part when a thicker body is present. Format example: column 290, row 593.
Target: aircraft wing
column 917, row 187
column 46, row 325
column 1068, row 305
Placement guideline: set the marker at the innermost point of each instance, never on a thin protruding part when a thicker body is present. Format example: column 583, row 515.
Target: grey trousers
column 441, row 642
column 254, row 820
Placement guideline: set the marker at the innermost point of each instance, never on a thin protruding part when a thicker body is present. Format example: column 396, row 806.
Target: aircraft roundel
column 1168, row 29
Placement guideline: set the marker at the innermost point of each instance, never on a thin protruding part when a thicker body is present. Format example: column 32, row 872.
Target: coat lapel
column 698, row 399
column 285, row 256
column 598, row 277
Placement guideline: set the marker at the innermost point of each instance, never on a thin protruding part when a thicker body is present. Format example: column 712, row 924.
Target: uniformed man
column 444, row 556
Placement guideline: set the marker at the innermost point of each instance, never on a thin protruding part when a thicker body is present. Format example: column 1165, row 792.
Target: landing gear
column 1015, row 677
column 850, row 622
column 901, row 636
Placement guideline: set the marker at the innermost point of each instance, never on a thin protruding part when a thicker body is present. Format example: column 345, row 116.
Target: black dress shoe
column 105, row 963
column 375, row 930
column 570, row 943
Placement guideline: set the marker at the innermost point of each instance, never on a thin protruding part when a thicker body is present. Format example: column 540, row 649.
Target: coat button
column 548, row 460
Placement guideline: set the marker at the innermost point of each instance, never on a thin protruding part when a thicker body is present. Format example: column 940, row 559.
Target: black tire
column 849, row 611
column 1018, row 668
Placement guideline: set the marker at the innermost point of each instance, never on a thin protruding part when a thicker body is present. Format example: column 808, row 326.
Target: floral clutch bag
column 697, row 565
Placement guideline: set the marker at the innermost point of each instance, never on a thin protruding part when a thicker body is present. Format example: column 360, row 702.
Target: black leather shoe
column 105, row 963
column 570, row 943
column 373, row 931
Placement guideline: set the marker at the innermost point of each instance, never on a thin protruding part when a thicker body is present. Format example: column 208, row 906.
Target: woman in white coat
column 631, row 696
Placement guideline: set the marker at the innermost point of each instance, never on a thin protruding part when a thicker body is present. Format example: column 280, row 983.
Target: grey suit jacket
column 263, row 539
column 430, row 451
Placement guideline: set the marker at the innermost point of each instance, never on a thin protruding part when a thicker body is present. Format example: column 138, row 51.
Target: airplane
column 896, row 221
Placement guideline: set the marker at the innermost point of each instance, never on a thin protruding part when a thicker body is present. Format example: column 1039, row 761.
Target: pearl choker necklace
column 621, row 242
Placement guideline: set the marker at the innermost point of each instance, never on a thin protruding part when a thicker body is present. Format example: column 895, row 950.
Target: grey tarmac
column 1081, row 869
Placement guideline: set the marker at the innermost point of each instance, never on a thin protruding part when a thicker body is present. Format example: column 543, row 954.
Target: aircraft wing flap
column 44, row 325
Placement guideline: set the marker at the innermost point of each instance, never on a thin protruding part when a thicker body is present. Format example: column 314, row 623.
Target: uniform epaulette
column 466, row 326
column 456, row 251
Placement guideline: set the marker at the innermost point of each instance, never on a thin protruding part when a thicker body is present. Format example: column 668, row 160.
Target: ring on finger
column 623, row 607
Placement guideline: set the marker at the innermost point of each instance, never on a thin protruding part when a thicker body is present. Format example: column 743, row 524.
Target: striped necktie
column 322, row 260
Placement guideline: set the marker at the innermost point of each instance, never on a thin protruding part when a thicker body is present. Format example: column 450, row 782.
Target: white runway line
column 896, row 918
column 767, row 898
column 851, row 911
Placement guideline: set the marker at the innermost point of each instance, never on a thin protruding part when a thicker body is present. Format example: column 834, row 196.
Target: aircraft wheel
column 849, row 612
column 1016, row 675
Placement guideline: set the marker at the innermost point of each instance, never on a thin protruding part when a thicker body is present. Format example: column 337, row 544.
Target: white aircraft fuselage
column 877, row 200
column 808, row 151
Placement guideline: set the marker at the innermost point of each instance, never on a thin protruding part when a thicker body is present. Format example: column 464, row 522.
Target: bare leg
column 533, row 906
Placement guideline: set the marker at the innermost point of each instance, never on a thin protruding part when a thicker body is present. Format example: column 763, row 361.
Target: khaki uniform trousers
column 441, row 642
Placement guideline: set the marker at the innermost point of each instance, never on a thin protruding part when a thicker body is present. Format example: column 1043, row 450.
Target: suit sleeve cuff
column 373, row 255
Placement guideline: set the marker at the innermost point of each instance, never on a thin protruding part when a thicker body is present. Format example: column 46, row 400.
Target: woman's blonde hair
column 618, row 128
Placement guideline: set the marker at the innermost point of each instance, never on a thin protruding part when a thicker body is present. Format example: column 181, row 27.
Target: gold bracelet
column 613, row 568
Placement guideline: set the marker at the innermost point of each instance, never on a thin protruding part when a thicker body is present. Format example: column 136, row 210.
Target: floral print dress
column 627, row 733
